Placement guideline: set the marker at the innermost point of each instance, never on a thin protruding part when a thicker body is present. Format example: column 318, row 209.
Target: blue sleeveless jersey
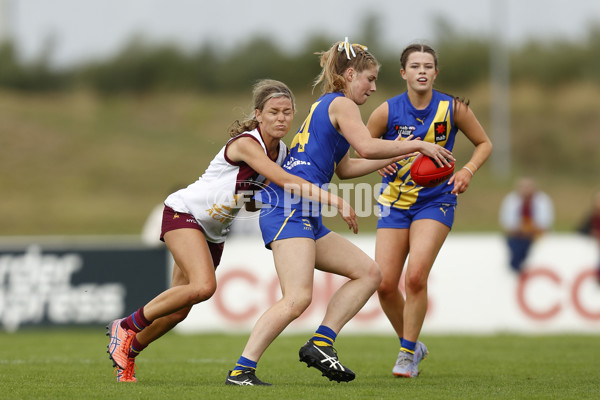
column 433, row 124
column 315, row 151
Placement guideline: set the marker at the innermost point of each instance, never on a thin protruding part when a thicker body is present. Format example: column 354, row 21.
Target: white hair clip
column 346, row 46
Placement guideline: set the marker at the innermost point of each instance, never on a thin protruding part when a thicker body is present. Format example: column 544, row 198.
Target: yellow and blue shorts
column 390, row 217
column 278, row 223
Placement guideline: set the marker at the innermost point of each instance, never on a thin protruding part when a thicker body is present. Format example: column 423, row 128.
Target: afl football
column 425, row 171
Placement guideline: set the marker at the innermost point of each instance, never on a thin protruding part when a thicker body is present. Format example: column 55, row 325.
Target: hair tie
column 469, row 169
column 349, row 48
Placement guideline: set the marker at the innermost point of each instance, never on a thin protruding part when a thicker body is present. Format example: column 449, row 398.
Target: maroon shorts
column 175, row 220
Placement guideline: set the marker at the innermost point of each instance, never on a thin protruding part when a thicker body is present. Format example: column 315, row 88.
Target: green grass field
column 72, row 364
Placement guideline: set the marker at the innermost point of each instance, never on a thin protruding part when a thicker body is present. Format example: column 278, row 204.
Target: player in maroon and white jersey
column 196, row 220
column 218, row 195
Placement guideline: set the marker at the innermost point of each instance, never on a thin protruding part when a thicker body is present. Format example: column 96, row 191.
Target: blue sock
column 407, row 346
column 244, row 363
column 324, row 336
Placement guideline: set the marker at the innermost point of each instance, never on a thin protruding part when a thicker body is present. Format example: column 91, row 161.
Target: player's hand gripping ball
column 425, row 171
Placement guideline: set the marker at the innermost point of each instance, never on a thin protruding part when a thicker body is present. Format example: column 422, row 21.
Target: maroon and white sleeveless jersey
column 217, row 196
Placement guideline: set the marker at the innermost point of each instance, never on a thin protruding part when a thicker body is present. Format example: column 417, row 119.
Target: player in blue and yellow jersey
column 294, row 231
column 416, row 219
column 196, row 220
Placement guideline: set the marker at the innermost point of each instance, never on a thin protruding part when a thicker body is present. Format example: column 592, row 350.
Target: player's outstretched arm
column 250, row 152
column 345, row 115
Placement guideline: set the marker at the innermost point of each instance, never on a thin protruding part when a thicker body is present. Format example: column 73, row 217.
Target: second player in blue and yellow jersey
column 433, row 124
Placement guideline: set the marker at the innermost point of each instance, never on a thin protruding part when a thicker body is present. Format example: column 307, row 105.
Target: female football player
column 295, row 231
column 196, row 220
column 416, row 219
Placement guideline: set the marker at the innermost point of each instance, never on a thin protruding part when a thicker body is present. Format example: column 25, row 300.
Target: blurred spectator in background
column 525, row 214
column 591, row 226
